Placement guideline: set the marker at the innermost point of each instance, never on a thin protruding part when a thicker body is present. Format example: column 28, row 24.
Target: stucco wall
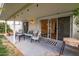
column 31, row 26
column 75, row 30
column 35, row 26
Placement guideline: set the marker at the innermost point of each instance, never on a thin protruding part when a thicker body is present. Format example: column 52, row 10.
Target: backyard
column 7, row 49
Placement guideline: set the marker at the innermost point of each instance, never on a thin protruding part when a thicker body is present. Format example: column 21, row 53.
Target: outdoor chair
column 28, row 34
column 20, row 35
column 59, row 47
column 36, row 37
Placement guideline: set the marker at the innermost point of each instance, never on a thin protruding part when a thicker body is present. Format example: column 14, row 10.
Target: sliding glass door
column 44, row 28
column 48, row 28
column 63, row 27
column 53, row 28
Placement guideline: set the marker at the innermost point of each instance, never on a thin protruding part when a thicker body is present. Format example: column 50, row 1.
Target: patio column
column 14, row 41
column 71, row 26
column 48, row 36
column 5, row 26
column 57, row 30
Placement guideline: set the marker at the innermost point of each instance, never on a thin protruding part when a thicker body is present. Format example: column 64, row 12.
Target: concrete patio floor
column 29, row 48
column 41, row 48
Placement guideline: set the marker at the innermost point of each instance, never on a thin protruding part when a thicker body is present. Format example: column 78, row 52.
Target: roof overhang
column 42, row 10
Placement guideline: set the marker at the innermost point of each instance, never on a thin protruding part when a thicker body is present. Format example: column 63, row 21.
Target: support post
column 14, row 41
column 5, row 26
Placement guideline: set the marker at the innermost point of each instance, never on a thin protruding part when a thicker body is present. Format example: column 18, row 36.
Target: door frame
column 71, row 26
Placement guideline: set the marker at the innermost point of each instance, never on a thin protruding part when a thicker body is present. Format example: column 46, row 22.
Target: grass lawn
column 7, row 49
column 3, row 49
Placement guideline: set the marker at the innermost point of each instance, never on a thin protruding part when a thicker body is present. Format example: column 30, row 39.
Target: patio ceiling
column 38, row 11
column 10, row 8
column 45, row 10
column 1, row 7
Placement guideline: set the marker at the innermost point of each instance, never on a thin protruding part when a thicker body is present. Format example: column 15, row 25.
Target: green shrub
column 2, row 28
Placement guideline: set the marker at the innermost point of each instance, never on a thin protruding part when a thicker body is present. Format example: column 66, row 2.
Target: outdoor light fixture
column 17, row 15
column 37, row 5
column 27, row 9
column 32, row 21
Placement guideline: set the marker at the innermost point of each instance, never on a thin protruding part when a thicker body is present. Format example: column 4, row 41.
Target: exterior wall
column 75, row 30
column 31, row 26
column 71, row 26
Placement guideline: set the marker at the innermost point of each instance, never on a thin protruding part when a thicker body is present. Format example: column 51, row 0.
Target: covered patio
column 54, row 22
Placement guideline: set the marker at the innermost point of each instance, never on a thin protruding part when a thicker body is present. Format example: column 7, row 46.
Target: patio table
column 26, row 34
column 21, row 35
